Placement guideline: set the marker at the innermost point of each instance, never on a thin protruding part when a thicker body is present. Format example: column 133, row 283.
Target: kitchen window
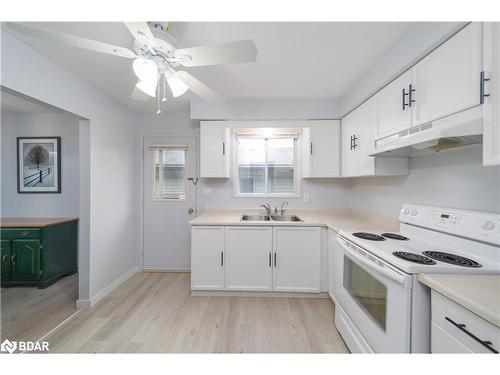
column 169, row 172
column 266, row 166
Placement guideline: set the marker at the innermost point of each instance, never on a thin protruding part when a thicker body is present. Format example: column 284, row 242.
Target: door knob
column 190, row 211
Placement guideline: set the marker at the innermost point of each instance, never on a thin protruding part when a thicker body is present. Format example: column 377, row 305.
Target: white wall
column 64, row 204
column 330, row 193
column 452, row 178
column 111, row 209
column 266, row 110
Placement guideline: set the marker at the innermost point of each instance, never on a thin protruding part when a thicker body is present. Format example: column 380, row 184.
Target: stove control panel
column 476, row 225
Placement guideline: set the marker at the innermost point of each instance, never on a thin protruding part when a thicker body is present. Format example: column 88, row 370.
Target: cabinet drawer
column 16, row 233
column 448, row 314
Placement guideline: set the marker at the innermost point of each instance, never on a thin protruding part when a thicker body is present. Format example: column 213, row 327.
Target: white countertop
column 333, row 219
column 477, row 293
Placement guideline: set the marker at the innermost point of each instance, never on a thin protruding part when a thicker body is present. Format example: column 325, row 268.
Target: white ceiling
column 295, row 60
column 12, row 103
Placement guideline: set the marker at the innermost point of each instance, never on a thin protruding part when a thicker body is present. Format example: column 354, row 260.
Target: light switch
column 306, row 197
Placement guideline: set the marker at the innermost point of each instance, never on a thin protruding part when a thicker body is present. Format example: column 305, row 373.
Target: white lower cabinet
column 248, row 258
column 207, row 258
column 455, row 329
column 257, row 259
column 296, row 261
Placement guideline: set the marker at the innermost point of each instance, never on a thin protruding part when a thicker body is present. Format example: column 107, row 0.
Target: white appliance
column 381, row 306
column 464, row 128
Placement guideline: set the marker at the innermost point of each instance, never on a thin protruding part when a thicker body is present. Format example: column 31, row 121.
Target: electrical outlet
column 207, row 191
column 306, row 197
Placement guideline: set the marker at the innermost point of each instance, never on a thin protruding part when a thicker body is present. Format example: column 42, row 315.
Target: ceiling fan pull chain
column 158, row 98
column 164, row 99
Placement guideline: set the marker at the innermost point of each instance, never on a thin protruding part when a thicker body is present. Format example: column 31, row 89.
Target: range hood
column 460, row 129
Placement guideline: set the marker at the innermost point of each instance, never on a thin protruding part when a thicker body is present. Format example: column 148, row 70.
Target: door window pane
column 366, row 290
column 169, row 173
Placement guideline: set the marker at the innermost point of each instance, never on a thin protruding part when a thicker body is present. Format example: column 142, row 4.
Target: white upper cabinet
column 321, row 149
column 394, row 113
column 348, row 155
column 358, row 132
column 297, row 253
column 491, row 94
column 214, row 149
column 447, row 80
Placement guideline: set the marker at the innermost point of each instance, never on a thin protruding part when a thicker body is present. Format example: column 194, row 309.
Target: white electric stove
column 381, row 306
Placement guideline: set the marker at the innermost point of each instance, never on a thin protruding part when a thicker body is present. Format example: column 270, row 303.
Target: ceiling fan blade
column 141, row 31
column 199, row 88
column 218, row 54
column 139, row 95
column 71, row 40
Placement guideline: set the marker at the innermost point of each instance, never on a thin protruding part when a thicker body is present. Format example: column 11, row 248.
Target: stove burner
column 452, row 259
column 369, row 236
column 394, row 236
column 412, row 257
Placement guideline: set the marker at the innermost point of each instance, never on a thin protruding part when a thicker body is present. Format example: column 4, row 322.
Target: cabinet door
column 214, row 149
column 25, row 260
column 447, row 80
column 207, row 258
column 443, row 342
column 392, row 115
column 348, row 160
column 365, row 116
column 491, row 107
column 5, row 259
column 296, row 259
column 248, row 258
column 323, row 148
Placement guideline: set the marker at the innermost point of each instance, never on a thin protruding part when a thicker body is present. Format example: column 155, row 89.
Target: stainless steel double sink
column 289, row 218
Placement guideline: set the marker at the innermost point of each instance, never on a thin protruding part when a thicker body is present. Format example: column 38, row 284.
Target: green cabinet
column 38, row 256
column 5, row 257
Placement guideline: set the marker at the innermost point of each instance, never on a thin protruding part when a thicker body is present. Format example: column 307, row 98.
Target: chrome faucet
column 267, row 206
column 282, row 205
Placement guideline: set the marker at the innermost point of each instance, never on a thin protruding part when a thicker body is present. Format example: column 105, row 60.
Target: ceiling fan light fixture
column 147, row 87
column 145, row 69
column 176, row 85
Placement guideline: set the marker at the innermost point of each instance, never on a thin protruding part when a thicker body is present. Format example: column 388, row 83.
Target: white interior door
column 169, row 202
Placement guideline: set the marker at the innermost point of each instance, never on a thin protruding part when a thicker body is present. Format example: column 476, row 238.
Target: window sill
column 266, row 196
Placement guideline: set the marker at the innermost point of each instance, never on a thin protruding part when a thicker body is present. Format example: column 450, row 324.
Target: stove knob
column 406, row 211
column 488, row 225
column 413, row 212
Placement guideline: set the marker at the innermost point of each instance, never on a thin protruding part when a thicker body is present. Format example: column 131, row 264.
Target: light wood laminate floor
column 28, row 313
column 155, row 312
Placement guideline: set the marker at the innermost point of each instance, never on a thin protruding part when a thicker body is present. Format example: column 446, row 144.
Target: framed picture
column 38, row 165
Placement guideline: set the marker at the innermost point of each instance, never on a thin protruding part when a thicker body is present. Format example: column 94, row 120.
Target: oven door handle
column 378, row 265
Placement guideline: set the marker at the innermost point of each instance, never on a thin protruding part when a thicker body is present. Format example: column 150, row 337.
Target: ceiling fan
column 155, row 58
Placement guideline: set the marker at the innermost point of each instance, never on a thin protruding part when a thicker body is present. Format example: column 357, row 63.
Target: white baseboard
column 235, row 293
column 87, row 303
column 183, row 270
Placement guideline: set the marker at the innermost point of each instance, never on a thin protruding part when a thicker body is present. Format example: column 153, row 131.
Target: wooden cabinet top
column 35, row 222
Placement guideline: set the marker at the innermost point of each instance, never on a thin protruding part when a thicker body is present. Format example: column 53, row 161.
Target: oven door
column 376, row 298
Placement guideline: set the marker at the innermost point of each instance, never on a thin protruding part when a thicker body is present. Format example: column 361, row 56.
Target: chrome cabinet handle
column 13, row 259
column 24, row 233
column 482, row 94
column 4, row 259
column 405, row 94
column 410, row 97
column 270, row 260
column 223, row 148
column 222, row 258
column 462, row 327
column 311, row 148
column 275, row 260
